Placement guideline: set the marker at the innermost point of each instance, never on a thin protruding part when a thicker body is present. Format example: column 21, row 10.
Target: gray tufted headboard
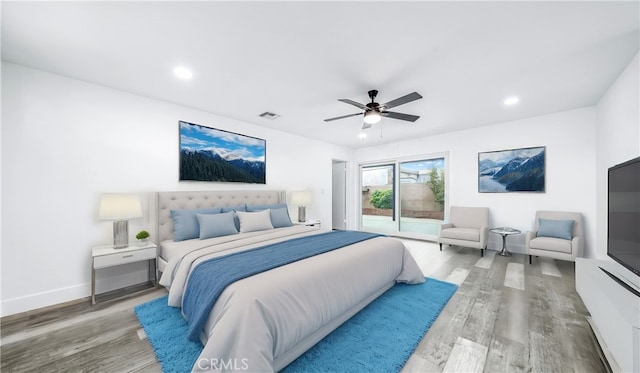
column 168, row 201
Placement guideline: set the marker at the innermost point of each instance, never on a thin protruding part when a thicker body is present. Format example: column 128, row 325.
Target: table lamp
column 301, row 199
column 120, row 208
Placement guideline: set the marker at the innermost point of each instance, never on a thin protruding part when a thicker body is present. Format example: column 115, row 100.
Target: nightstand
column 105, row 256
column 308, row 223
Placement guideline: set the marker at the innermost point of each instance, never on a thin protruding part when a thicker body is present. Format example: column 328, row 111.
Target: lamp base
column 302, row 214
column 120, row 234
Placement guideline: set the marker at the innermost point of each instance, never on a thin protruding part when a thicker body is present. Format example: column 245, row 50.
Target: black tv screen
column 623, row 238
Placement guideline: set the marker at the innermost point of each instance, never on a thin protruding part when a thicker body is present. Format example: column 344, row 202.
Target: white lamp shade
column 372, row 117
column 120, row 206
column 302, row 198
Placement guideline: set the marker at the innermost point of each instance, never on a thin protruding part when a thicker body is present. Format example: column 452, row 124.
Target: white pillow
column 255, row 221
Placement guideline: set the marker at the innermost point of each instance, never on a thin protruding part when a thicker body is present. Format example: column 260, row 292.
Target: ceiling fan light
column 511, row 100
column 182, row 72
column 372, row 117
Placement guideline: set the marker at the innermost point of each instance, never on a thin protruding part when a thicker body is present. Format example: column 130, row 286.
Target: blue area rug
column 380, row 338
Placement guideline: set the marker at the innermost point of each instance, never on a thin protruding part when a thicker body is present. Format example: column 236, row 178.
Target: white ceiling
column 297, row 58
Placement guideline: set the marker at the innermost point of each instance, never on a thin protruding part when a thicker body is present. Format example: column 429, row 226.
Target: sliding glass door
column 404, row 198
column 378, row 198
column 422, row 196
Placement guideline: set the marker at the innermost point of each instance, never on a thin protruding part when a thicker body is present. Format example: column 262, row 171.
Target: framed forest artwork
column 210, row 154
column 512, row 170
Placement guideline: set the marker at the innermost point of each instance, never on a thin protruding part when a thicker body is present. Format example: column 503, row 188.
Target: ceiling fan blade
column 356, row 104
column 402, row 100
column 344, row 116
column 366, row 125
column 401, row 116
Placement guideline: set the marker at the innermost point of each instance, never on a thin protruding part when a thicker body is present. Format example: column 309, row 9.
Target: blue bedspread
column 211, row 277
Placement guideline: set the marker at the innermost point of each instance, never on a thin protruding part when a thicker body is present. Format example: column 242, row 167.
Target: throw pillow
column 185, row 223
column 216, row 225
column 264, row 207
column 254, row 221
column 555, row 228
column 280, row 218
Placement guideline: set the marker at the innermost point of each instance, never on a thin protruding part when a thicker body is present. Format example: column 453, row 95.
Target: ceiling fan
column 374, row 111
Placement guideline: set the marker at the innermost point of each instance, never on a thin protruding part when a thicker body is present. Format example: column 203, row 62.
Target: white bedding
column 171, row 249
column 265, row 321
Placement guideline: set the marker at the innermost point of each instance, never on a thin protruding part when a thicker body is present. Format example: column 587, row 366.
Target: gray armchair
column 557, row 239
column 467, row 226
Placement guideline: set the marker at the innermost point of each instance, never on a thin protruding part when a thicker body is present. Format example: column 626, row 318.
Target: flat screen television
column 623, row 233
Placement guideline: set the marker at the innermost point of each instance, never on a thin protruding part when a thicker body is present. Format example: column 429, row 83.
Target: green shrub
column 436, row 184
column 382, row 199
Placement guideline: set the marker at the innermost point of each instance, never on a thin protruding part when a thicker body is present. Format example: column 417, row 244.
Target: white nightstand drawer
column 124, row 257
column 308, row 223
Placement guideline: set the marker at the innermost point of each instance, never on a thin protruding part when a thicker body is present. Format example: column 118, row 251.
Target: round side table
column 504, row 232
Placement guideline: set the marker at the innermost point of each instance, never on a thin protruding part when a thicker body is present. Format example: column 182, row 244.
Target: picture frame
column 215, row 155
column 512, row 170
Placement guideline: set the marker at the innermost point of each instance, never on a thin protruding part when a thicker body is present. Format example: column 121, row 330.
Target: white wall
column 618, row 132
column 570, row 141
column 65, row 142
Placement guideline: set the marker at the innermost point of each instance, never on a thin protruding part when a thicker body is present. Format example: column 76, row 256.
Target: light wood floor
column 507, row 316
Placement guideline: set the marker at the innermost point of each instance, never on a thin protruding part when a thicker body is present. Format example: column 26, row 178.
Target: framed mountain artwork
column 209, row 154
column 512, row 170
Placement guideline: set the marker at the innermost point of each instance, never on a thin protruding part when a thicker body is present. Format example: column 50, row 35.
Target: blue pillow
column 216, row 225
column 185, row 223
column 264, row 207
column 241, row 207
column 555, row 228
column 280, row 218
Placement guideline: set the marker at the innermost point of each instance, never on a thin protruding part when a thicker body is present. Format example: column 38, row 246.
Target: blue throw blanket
column 211, row 277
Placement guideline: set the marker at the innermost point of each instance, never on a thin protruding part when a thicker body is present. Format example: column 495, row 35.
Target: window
column 416, row 186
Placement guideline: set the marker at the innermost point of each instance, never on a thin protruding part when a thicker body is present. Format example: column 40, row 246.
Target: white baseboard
column 52, row 297
column 43, row 299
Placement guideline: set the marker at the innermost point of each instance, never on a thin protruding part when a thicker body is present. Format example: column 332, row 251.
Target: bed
column 264, row 319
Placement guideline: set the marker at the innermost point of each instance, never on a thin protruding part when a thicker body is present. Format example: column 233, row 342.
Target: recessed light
column 182, row 72
column 362, row 135
column 511, row 100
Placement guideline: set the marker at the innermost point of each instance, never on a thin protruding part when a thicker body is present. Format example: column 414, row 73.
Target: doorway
column 339, row 195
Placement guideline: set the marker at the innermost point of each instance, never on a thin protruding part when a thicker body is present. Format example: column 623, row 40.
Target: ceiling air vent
column 269, row 115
